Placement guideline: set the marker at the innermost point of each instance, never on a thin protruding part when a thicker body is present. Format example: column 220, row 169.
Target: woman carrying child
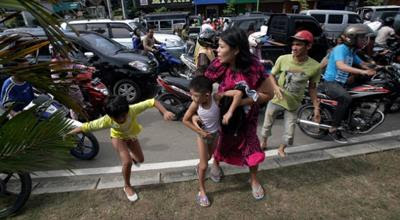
column 121, row 118
column 235, row 64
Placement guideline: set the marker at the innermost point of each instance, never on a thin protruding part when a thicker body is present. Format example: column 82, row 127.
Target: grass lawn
column 362, row 187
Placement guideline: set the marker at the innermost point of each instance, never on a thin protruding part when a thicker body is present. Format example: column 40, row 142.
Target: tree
column 374, row 2
column 303, row 4
column 27, row 145
column 230, row 9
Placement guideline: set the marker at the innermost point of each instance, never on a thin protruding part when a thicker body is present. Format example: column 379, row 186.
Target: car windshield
column 102, row 44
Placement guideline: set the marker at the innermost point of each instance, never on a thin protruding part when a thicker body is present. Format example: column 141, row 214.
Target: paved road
column 171, row 141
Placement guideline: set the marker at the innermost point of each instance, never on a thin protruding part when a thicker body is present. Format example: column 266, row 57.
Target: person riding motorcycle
column 205, row 51
column 339, row 69
column 136, row 40
column 149, row 41
column 385, row 32
column 16, row 93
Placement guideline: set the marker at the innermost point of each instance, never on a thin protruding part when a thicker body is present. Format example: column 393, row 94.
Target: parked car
column 282, row 26
column 371, row 13
column 333, row 22
column 130, row 73
column 243, row 22
column 121, row 30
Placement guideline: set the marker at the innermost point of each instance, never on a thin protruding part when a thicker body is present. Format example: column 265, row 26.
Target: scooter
column 174, row 94
column 167, row 62
column 94, row 93
column 365, row 114
column 15, row 188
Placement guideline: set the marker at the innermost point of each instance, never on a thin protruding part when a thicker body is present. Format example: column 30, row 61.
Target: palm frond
column 37, row 144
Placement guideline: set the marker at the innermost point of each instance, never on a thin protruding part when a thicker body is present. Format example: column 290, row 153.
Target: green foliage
column 27, row 144
column 160, row 10
column 303, row 4
column 374, row 2
column 230, row 9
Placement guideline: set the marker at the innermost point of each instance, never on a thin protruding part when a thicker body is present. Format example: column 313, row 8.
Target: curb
column 177, row 171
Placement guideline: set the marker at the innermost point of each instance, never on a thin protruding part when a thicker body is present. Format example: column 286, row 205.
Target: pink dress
column 243, row 149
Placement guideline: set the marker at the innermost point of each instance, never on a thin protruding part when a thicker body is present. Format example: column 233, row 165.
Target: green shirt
column 293, row 79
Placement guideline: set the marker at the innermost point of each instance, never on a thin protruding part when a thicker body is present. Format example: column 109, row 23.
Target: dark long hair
column 237, row 39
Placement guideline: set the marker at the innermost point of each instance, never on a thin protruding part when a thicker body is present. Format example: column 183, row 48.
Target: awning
column 209, row 2
column 242, row 1
column 66, row 6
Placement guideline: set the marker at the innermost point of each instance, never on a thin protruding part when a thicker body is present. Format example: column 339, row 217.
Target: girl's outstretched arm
column 75, row 131
column 166, row 114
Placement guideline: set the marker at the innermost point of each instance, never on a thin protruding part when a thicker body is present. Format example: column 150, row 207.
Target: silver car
column 121, row 30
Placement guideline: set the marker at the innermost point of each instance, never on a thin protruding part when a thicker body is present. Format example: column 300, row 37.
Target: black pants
column 337, row 92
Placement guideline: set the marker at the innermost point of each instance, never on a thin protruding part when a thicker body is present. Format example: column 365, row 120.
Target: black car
column 126, row 72
column 244, row 21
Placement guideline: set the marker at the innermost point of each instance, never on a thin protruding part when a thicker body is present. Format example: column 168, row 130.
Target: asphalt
column 56, row 181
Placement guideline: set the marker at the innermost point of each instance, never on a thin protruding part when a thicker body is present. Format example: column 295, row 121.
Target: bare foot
column 281, row 150
column 264, row 144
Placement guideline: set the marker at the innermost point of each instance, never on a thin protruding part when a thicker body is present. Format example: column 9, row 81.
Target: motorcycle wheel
column 15, row 189
column 306, row 112
column 87, row 147
column 175, row 71
column 172, row 103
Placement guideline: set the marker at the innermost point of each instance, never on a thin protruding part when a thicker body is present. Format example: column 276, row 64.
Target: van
column 333, row 22
column 167, row 22
column 372, row 13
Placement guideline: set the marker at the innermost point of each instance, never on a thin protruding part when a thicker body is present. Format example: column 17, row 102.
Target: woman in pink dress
column 235, row 64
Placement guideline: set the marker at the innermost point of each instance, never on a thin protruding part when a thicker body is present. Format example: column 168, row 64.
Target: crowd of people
column 226, row 120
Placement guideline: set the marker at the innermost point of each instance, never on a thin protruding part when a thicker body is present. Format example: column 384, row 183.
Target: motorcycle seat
column 178, row 81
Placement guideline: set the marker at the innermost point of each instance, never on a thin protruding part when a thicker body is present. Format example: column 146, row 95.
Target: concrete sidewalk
column 176, row 171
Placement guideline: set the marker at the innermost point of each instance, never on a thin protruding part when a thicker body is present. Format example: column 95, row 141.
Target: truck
column 282, row 26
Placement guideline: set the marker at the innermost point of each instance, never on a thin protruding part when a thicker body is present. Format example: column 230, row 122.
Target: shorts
column 210, row 141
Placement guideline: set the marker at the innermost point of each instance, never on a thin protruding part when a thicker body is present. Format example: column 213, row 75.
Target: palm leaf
column 36, row 145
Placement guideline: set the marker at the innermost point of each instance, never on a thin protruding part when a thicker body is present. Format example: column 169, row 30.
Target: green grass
column 362, row 187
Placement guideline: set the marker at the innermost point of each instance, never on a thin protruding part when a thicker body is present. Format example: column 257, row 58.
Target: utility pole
column 258, row 5
column 109, row 8
column 123, row 9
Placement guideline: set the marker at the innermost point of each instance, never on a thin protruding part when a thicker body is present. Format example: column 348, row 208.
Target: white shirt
column 205, row 27
column 383, row 34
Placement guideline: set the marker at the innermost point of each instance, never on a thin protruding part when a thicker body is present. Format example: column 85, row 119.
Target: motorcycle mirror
column 89, row 54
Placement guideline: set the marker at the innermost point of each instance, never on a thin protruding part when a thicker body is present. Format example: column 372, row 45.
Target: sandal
column 257, row 192
column 216, row 174
column 202, row 200
column 133, row 197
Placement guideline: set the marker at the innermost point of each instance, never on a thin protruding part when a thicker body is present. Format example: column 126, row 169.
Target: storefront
column 243, row 6
column 148, row 6
column 209, row 8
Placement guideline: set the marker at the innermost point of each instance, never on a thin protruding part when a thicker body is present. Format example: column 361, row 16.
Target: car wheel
column 129, row 89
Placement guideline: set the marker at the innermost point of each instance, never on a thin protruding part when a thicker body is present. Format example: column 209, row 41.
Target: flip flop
column 202, row 200
column 216, row 175
column 133, row 197
column 257, row 192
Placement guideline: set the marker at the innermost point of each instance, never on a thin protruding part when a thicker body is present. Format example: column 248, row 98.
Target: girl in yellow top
column 121, row 118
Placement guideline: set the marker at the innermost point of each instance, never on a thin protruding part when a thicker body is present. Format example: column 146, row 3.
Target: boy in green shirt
column 294, row 72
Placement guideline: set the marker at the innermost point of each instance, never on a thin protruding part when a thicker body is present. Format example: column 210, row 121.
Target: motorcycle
column 191, row 67
column 94, row 94
column 365, row 113
column 167, row 62
column 389, row 78
column 174, row 94
column 15, row 188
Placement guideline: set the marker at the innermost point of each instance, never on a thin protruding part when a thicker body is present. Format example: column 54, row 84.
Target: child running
column 121, row 118
column 205, row 104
